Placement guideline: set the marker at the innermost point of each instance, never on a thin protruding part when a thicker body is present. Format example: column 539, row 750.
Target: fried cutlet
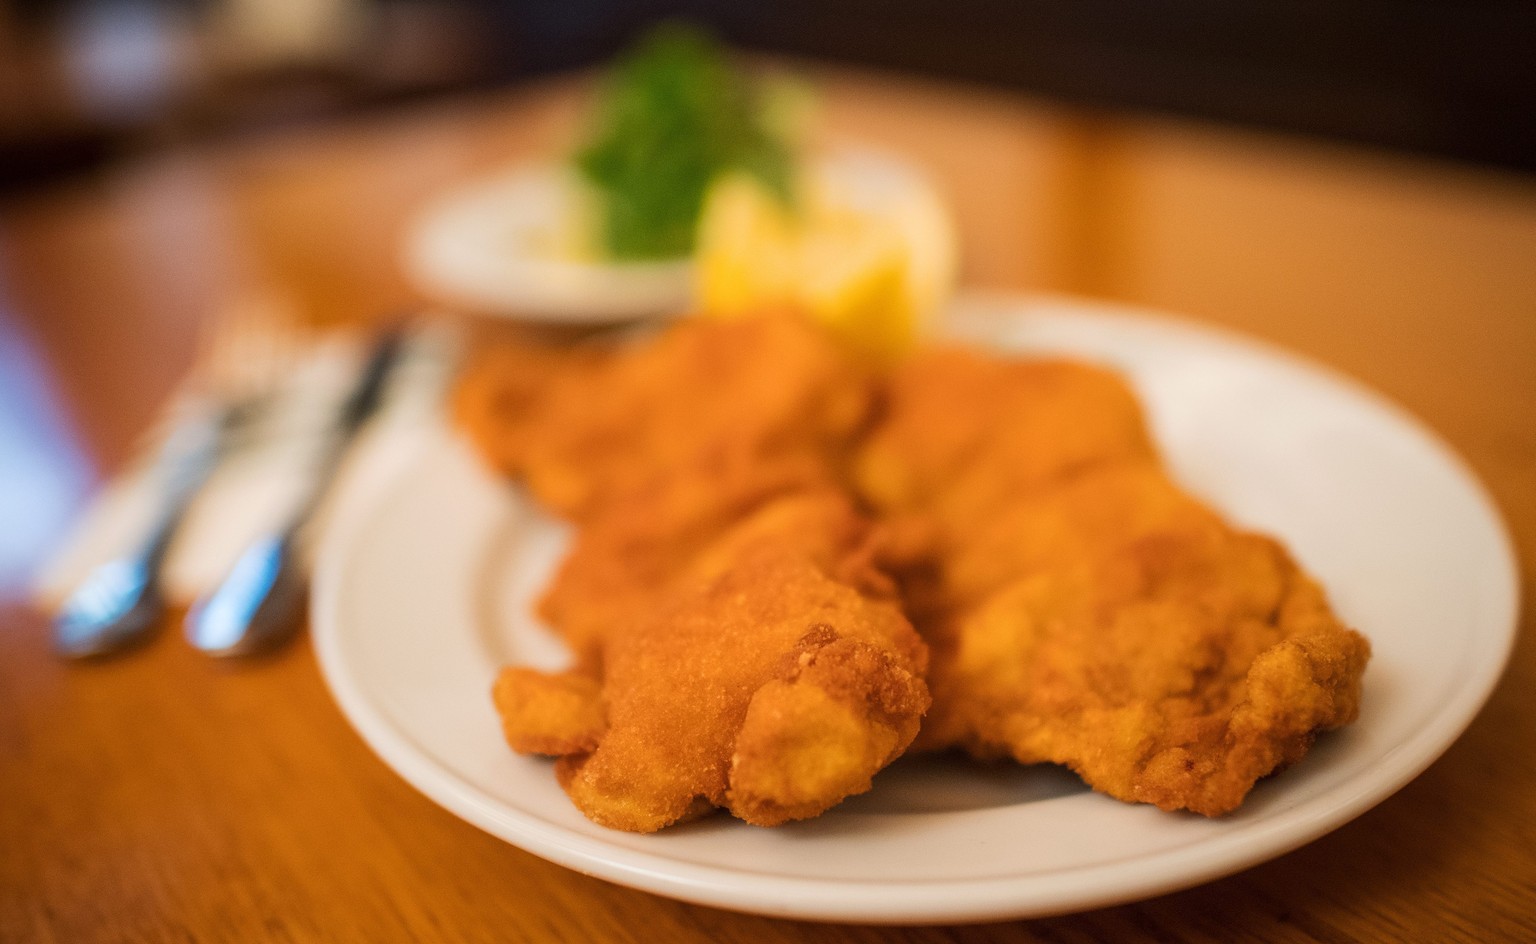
column 502, row 388
column 620, row 560
column 704, row 401
column 1173, row 660
column 773, row 681
column 1083, row 609
column 962, row 432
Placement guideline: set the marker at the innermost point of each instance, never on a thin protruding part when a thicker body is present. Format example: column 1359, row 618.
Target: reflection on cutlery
column 257, row 605
column 120, row 603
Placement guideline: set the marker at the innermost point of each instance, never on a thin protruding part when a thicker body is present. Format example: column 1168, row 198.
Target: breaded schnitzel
column 962, row 433
column 736, row 645
column 620, row 560
column 705, row 400
column 1081, row 608
column 740, row 645
column 1173, row 663
column 773, row 680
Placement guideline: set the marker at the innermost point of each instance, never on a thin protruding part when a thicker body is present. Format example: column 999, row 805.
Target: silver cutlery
column 120, row 603
column 257, row 605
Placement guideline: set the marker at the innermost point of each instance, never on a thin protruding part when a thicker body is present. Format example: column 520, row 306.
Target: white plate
column 420, row 597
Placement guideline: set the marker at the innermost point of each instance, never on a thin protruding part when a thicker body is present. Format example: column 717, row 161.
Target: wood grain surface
column 166, row 797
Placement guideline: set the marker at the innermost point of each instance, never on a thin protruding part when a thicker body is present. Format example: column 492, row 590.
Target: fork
column 242, row 356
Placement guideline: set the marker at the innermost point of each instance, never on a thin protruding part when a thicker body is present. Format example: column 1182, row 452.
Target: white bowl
column 485, row 246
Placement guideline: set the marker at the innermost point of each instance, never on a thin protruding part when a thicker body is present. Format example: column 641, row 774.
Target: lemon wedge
column 869, row 250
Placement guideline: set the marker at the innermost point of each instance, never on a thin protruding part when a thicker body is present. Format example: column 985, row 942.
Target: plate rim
column 964, row 900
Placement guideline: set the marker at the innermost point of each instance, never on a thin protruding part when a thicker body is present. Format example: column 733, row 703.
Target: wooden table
column 167, row 797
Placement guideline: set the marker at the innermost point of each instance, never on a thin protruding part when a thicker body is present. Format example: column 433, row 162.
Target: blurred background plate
column 508, row 246
column 518, row 244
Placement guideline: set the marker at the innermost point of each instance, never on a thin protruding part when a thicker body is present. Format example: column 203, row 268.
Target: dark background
column 1449, row 80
